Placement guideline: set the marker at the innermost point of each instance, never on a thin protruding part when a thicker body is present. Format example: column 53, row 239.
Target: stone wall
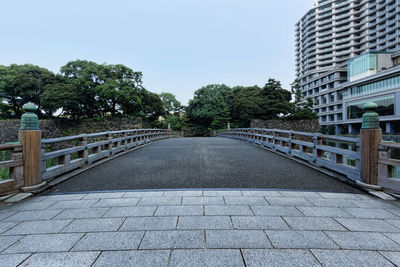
column 295, row 125
column 66, row 127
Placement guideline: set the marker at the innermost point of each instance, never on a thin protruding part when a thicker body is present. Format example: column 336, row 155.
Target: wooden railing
column 11, row 168
column 337, row 153
column 85, row 152
column 59, row 156
column 389, row 166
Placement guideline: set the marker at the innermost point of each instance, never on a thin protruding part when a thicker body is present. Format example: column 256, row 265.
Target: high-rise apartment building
column 331, row 34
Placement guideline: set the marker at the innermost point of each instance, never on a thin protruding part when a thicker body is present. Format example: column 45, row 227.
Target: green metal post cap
column 29, row 107
column 29, row 120
column 370, row 119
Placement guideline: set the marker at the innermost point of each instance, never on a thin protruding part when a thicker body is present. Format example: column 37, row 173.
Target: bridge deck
column 202, row 163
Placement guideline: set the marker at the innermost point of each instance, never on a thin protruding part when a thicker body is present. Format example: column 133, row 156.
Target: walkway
column 200, row 228
column 202, row 163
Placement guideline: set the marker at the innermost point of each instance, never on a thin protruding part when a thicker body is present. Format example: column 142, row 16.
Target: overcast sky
column 179, row 45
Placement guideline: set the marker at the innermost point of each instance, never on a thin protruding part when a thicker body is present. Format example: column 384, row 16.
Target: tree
column 171, row 105
column 84, row 76
column 211, row 106
column 301, row 108
column 118, row 83
column 20, row 84
column 104, row 89
column 152, row 106
column 247, row 105
column 277, row 100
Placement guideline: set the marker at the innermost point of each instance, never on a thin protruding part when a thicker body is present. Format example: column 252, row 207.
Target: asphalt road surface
column 201, row 163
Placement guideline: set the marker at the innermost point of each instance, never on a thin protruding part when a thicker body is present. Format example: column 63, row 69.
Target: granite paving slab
column 300, row 239
column 6, row 241
column 227, row 210
column 275, row 211
column 368, row 225
column 12, row 259
column 109, row 241
column 61, row 259
column 44, row 243
column 203, row 201
column 38, row 227
column 94, row 225
column 278, row 258
column 204, row 222
column 131, row 211
column 173, row 239
column 313, row 223
column 237, row 239
column 344, row 258
column 86, row 213
column 149, row 223
column 393, row 257
column 258, row 222
column 179, row 210
column 4, row 226
column 363, row 240
column 324, row 212
column 146, row 258
column 207, row 258
column 201, row 228
column 33, row 215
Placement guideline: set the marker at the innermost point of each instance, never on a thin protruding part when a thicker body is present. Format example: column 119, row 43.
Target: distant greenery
column 5, row 172
column 82, row 89
column 85, row 89
column 213, row 106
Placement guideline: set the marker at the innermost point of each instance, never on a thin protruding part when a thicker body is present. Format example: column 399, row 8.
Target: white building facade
column 346, row 55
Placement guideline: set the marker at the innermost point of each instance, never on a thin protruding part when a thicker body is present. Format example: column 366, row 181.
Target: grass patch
column 4, row 172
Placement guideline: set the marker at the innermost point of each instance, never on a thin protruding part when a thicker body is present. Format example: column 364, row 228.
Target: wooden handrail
column 56, row 163
column 344, row 161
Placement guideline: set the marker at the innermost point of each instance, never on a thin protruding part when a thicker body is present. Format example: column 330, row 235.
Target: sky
column 179, row 45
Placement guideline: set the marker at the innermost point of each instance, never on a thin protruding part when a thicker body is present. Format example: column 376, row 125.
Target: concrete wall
column 65, row 127
column 295, row 125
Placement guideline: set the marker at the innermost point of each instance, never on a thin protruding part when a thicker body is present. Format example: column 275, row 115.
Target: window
column 362, row 64
column 389, row 83
column 385, row 106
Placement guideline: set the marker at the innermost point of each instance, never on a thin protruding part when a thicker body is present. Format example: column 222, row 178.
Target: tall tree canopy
column 211, row 106
column 301, row 108
column 82, row 89
column 171, row 104
column 20, row 84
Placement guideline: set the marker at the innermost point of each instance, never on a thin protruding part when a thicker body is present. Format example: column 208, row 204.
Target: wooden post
column 370, row 138
column 30, row 138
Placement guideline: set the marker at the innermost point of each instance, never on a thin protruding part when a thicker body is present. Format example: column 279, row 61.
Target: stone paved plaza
column 200, row 228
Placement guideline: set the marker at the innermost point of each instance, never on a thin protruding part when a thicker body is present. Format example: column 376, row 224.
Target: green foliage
column 20, row 84
column 276, row 103
column 247, row 104
column 83, row 89
column 4, row 172
column 171, row 105
column 211, row 106
column 301, row 108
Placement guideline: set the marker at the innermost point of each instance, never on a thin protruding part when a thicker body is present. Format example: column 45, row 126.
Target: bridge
column 248, row 197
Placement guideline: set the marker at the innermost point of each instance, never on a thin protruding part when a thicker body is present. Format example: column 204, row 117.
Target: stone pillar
column 388, row 127
column 371, row 136
column 350, row 128
column 30, row 138
column 338, row 130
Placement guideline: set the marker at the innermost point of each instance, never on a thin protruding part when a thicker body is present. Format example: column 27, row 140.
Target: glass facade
column 362, row 64
column 385, row 106
column 386, row 84
column 396, row 61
